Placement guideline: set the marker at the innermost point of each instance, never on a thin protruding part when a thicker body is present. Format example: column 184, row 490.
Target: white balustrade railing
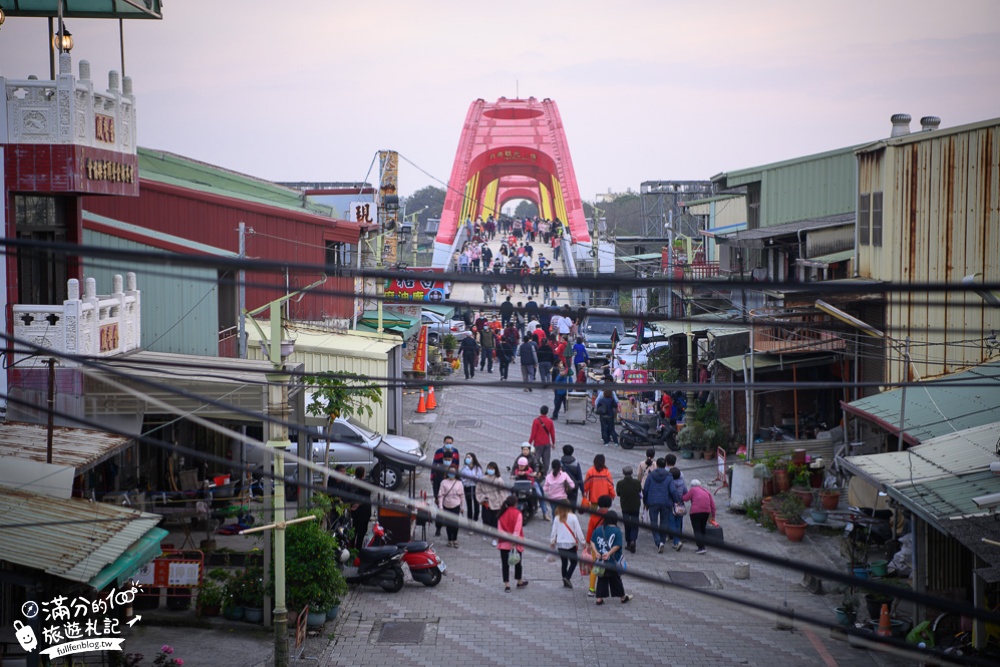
column 91, row 326
column 69, row 110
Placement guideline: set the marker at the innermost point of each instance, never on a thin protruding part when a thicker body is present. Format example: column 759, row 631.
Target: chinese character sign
column 420, row 360
column 362, row 212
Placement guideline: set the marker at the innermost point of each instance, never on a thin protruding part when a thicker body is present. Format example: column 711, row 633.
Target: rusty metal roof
column 69, row 538
column 77, row 448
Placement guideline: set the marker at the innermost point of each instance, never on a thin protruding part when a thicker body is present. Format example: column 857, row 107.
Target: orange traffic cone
column 421, row 405
column 884, row 623
column 431, row 401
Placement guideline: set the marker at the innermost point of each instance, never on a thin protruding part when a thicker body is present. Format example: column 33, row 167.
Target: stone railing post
column 133, row 325
column 71, row 318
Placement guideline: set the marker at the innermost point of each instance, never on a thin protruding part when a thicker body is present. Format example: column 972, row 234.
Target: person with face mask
column 491, row 491
column 471, row 473
column 447, row 455
column 450, row 498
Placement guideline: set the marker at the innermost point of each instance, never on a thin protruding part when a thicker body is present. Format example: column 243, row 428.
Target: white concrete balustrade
column 69, row 110
column 92, row 326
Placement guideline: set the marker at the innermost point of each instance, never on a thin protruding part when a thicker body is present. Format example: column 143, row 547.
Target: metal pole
column 121, row 43
column 51, row 411
column 902, row 406
column 750, row 403
column 243, row 293
column 52, row 52
column 670, row 264
column 278, row 412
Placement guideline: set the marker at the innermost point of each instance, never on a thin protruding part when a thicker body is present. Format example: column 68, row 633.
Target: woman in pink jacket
column 511, row 522
column 557, row 485
column 702, row 509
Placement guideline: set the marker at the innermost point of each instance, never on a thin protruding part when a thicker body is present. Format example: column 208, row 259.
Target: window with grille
column 864, row 218
column 877, row 219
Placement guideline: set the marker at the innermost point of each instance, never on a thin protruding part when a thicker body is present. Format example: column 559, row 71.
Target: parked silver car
column 438, row 326
column 385, row 457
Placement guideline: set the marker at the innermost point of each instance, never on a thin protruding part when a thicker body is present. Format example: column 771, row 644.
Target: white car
column 632, row 355
column 438, row 326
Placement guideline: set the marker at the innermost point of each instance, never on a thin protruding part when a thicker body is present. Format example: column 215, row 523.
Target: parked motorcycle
column 637, row 434
column 376, row 566
column 425, row 565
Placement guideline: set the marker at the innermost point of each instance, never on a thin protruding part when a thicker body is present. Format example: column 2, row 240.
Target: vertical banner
column 420, row 360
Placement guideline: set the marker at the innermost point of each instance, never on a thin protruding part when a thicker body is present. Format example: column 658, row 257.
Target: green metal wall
column 180, row 311
column 808, row 189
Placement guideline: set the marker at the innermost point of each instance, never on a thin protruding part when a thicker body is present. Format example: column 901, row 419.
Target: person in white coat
column 567, row 537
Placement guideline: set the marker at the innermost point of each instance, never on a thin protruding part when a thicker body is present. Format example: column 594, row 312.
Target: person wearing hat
column 529, row 470
column 606, row 543
column 630, row 496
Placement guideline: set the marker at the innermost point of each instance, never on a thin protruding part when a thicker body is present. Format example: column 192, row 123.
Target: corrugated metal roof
column 154, row 238
column 756, row 237
column 724, row 230
column 937, row 479
column 921, row 135
column 644, row 257
column 937, row 407
column 709, row 200
column 77, row 448
column 775, row 362
column 730, row 179
column 347, row 344
column 832, row 258
column 73, row 539
column 172, row 169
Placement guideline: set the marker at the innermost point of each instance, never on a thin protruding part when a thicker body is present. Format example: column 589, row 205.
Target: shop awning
column 763, row 363
column 723, row 231
column 953, row 403
column 827, row 260
column 391, row 322
column 644, row 257
column 939, row 478
column 758, row 238
column 447, row 312
column 77, row 448
column 86, row 9
column 74, row 539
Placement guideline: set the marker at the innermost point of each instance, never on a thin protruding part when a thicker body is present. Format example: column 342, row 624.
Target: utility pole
column 277, row 410
column 243, row 292
column 51, row 410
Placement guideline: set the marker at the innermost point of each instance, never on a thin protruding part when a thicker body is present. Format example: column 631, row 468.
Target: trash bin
column 576, row 407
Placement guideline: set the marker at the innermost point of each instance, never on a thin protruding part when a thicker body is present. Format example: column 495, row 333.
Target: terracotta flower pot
column 829, row 500
column 804, row 494
column 780, row 523
column 781, row 480
column 795, row 531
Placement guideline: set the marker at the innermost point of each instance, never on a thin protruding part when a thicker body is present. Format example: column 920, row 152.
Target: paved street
column 468, row 619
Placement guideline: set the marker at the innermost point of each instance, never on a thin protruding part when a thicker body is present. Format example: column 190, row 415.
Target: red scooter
column 425, row 565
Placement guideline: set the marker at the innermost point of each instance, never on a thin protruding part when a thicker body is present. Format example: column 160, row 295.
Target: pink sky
column 647, row 90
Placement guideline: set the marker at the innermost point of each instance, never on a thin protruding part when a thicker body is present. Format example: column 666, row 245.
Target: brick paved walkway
column 468, row 619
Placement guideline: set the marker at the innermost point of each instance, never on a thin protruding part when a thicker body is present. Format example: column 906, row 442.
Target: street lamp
column 62, row 40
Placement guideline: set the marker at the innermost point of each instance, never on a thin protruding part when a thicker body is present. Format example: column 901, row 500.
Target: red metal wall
column 278, row 235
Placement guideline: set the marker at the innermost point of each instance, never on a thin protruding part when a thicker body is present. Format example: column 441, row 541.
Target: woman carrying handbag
column 511, row 523
column 566, row 537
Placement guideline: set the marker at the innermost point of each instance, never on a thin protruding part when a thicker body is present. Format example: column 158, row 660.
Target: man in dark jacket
column 487, row 342
column 563, row 380
column 468, row 347
column 630, row 496
column 573, row 469
column 506, row 311
column 656, row 497
column 528, row 355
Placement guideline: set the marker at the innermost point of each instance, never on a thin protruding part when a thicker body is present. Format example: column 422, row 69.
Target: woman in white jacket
column 566, row 537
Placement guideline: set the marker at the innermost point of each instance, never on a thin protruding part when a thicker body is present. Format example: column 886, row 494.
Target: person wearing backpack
column 528, row 355
column 607, row 409
column 573, row 469
column 657, row 498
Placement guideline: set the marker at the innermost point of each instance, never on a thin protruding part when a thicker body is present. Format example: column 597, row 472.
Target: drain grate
column 401, row 632
column 692, row 579
column 465, row 423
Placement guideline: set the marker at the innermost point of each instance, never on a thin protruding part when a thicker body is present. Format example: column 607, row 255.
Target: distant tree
column 525, row 209
column 431, row 197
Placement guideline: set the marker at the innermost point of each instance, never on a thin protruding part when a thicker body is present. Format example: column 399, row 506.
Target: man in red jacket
column 543, row 437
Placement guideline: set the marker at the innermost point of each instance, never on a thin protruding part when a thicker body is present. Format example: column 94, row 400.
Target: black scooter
column 376, row 566
column 527, row 499
column 637, row 434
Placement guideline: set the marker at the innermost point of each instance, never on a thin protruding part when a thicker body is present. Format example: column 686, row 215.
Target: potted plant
column 847, row 612
column 212, row 592
column 779, row 475
column 252, row 594
column 694, row 438
column 829, row 499
column 799, row 473
column 789, row 514
column 232, row 595
column 312, row 574
column 450, row 344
